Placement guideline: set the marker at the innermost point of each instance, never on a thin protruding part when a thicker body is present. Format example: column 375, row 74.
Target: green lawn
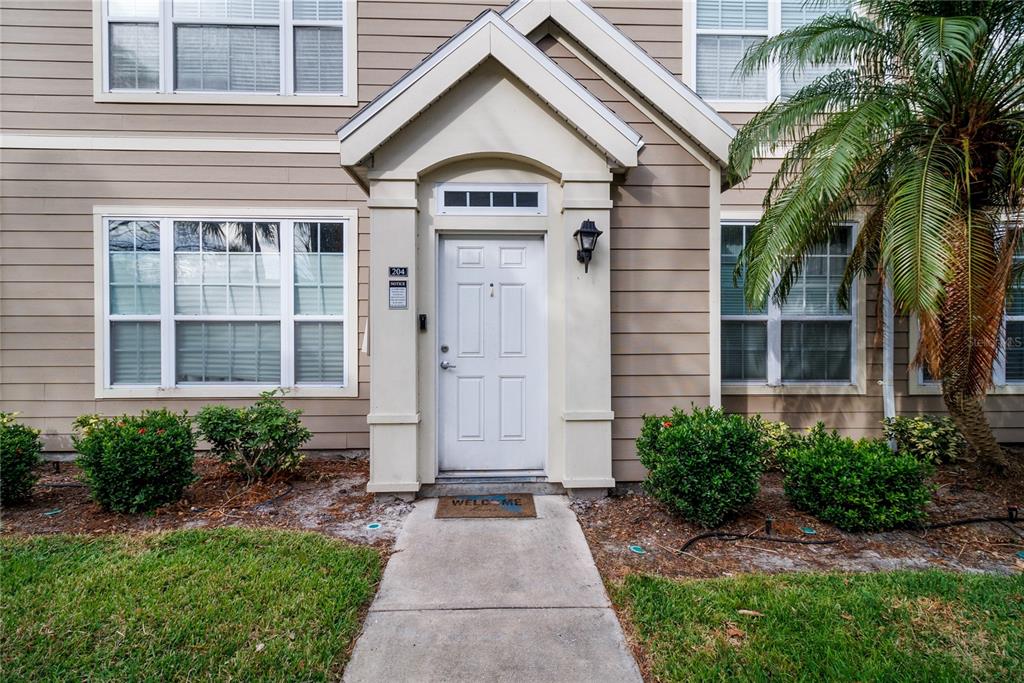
column 224, row 605
column 902, row 626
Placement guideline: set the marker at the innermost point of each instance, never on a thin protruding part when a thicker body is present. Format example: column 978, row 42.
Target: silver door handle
column 445, row 365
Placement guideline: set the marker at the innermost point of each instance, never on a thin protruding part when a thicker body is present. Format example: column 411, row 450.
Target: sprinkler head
column 1011, row 512
column 768, row 526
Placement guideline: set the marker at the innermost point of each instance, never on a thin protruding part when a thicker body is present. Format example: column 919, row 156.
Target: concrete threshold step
column 483, row 486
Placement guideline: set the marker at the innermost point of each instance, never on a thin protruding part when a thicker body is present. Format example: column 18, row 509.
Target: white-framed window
column 725, row 29
column 242, row 48
column 808, row 339
column 212, row 302
column 513, row 199
column 1010, row 363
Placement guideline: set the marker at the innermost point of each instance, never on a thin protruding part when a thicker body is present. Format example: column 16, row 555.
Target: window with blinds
column 808, row 338
column 1013, row 337
column 726, row 29
column 226, row 46
column 194, row 301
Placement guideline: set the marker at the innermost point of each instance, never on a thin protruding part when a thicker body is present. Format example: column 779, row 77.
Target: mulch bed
column 614, row 524
column 327, row 496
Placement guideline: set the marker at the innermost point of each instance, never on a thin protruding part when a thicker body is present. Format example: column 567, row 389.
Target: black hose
column 62, row 485
column 276, row 499
column 733, row 536
column 968, row 520
column 730, row 536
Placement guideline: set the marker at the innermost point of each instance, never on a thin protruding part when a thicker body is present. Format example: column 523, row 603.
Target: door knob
column 445, row 365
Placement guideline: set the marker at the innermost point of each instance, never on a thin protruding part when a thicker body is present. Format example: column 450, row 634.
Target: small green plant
column 257, row 441
column 135, row 463
column 927, row 437
column 856, row 485
column 19, row 455
column 778, row 439
column 705, row 465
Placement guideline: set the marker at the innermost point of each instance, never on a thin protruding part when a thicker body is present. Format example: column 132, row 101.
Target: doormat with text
column 497, row 505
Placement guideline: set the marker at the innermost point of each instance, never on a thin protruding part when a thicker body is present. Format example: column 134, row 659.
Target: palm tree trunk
column 969, row 415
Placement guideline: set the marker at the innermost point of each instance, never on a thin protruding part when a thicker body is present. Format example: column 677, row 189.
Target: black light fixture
column 586, row 241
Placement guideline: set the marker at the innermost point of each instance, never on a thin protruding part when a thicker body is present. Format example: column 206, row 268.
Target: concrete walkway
column 492, row 600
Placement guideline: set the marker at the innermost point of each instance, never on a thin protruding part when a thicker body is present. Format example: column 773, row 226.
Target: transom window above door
column 241, row 48
column 807, row 339
column 514, row 199
column 725, row 29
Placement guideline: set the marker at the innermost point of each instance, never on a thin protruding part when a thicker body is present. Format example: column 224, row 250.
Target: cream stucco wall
column 489, row 127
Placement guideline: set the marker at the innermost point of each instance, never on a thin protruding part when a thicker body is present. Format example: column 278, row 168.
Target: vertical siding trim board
column 100, row 283
column 715, row 288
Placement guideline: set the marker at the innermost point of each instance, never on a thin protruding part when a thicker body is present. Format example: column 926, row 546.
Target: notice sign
column 398, row 294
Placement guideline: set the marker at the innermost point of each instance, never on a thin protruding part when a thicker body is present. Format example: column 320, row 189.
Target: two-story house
column 389, row 208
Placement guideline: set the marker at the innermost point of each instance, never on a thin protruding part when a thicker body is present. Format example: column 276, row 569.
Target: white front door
column 492, row 355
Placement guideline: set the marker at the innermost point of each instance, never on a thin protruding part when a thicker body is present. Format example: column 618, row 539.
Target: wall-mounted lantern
column 586, row 241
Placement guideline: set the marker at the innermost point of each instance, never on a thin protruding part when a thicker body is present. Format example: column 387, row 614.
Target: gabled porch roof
column 649, row 78
column 489, row 36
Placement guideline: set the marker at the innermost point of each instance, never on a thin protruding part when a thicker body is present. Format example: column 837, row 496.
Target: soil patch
column 614, row 524
column 326, row 496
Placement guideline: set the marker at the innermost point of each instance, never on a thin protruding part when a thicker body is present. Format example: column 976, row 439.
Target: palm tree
column 922, row 139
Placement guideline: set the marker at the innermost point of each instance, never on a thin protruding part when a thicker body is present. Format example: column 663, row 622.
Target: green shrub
column 856, row 485
column 706, row 465
column 778, row 438
column 927, row 437
column 136, row 463
column 19, row 456
column 257, row 441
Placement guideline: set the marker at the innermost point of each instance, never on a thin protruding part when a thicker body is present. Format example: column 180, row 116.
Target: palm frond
column 921, row 204
column 939, row 37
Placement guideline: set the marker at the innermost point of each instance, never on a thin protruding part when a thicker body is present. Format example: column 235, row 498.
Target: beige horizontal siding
column 46, row 73
column 46, row 67
column 659, row 263
column 47, row 264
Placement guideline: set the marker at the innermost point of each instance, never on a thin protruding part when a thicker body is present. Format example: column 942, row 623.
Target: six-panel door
column 492, row 355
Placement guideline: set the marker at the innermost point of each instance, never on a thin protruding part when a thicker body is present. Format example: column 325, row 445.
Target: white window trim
column 773, row 72
column 773, row 316
column 917, row 386
column 166, row 94
column 540, row 210
column 103, row 388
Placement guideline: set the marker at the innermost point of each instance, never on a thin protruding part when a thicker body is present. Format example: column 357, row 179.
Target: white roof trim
column 453, row 45
column 571, row 15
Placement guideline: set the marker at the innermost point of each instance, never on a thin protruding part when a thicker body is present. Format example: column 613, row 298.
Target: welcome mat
column 513, row 505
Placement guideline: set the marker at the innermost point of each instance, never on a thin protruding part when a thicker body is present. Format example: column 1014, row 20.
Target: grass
column 900, row 626
column 225, row 605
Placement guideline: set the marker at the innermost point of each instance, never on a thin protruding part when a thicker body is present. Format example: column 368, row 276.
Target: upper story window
column 806, row 339
column 237, row 47
column 726, row 29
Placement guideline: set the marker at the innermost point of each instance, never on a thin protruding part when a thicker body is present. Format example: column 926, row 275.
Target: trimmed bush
column 856, row 485
column 19, row 456
column 778, row 439
column 927, row 437
column 257, row 441
column 706, row 466
column 136, row 463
